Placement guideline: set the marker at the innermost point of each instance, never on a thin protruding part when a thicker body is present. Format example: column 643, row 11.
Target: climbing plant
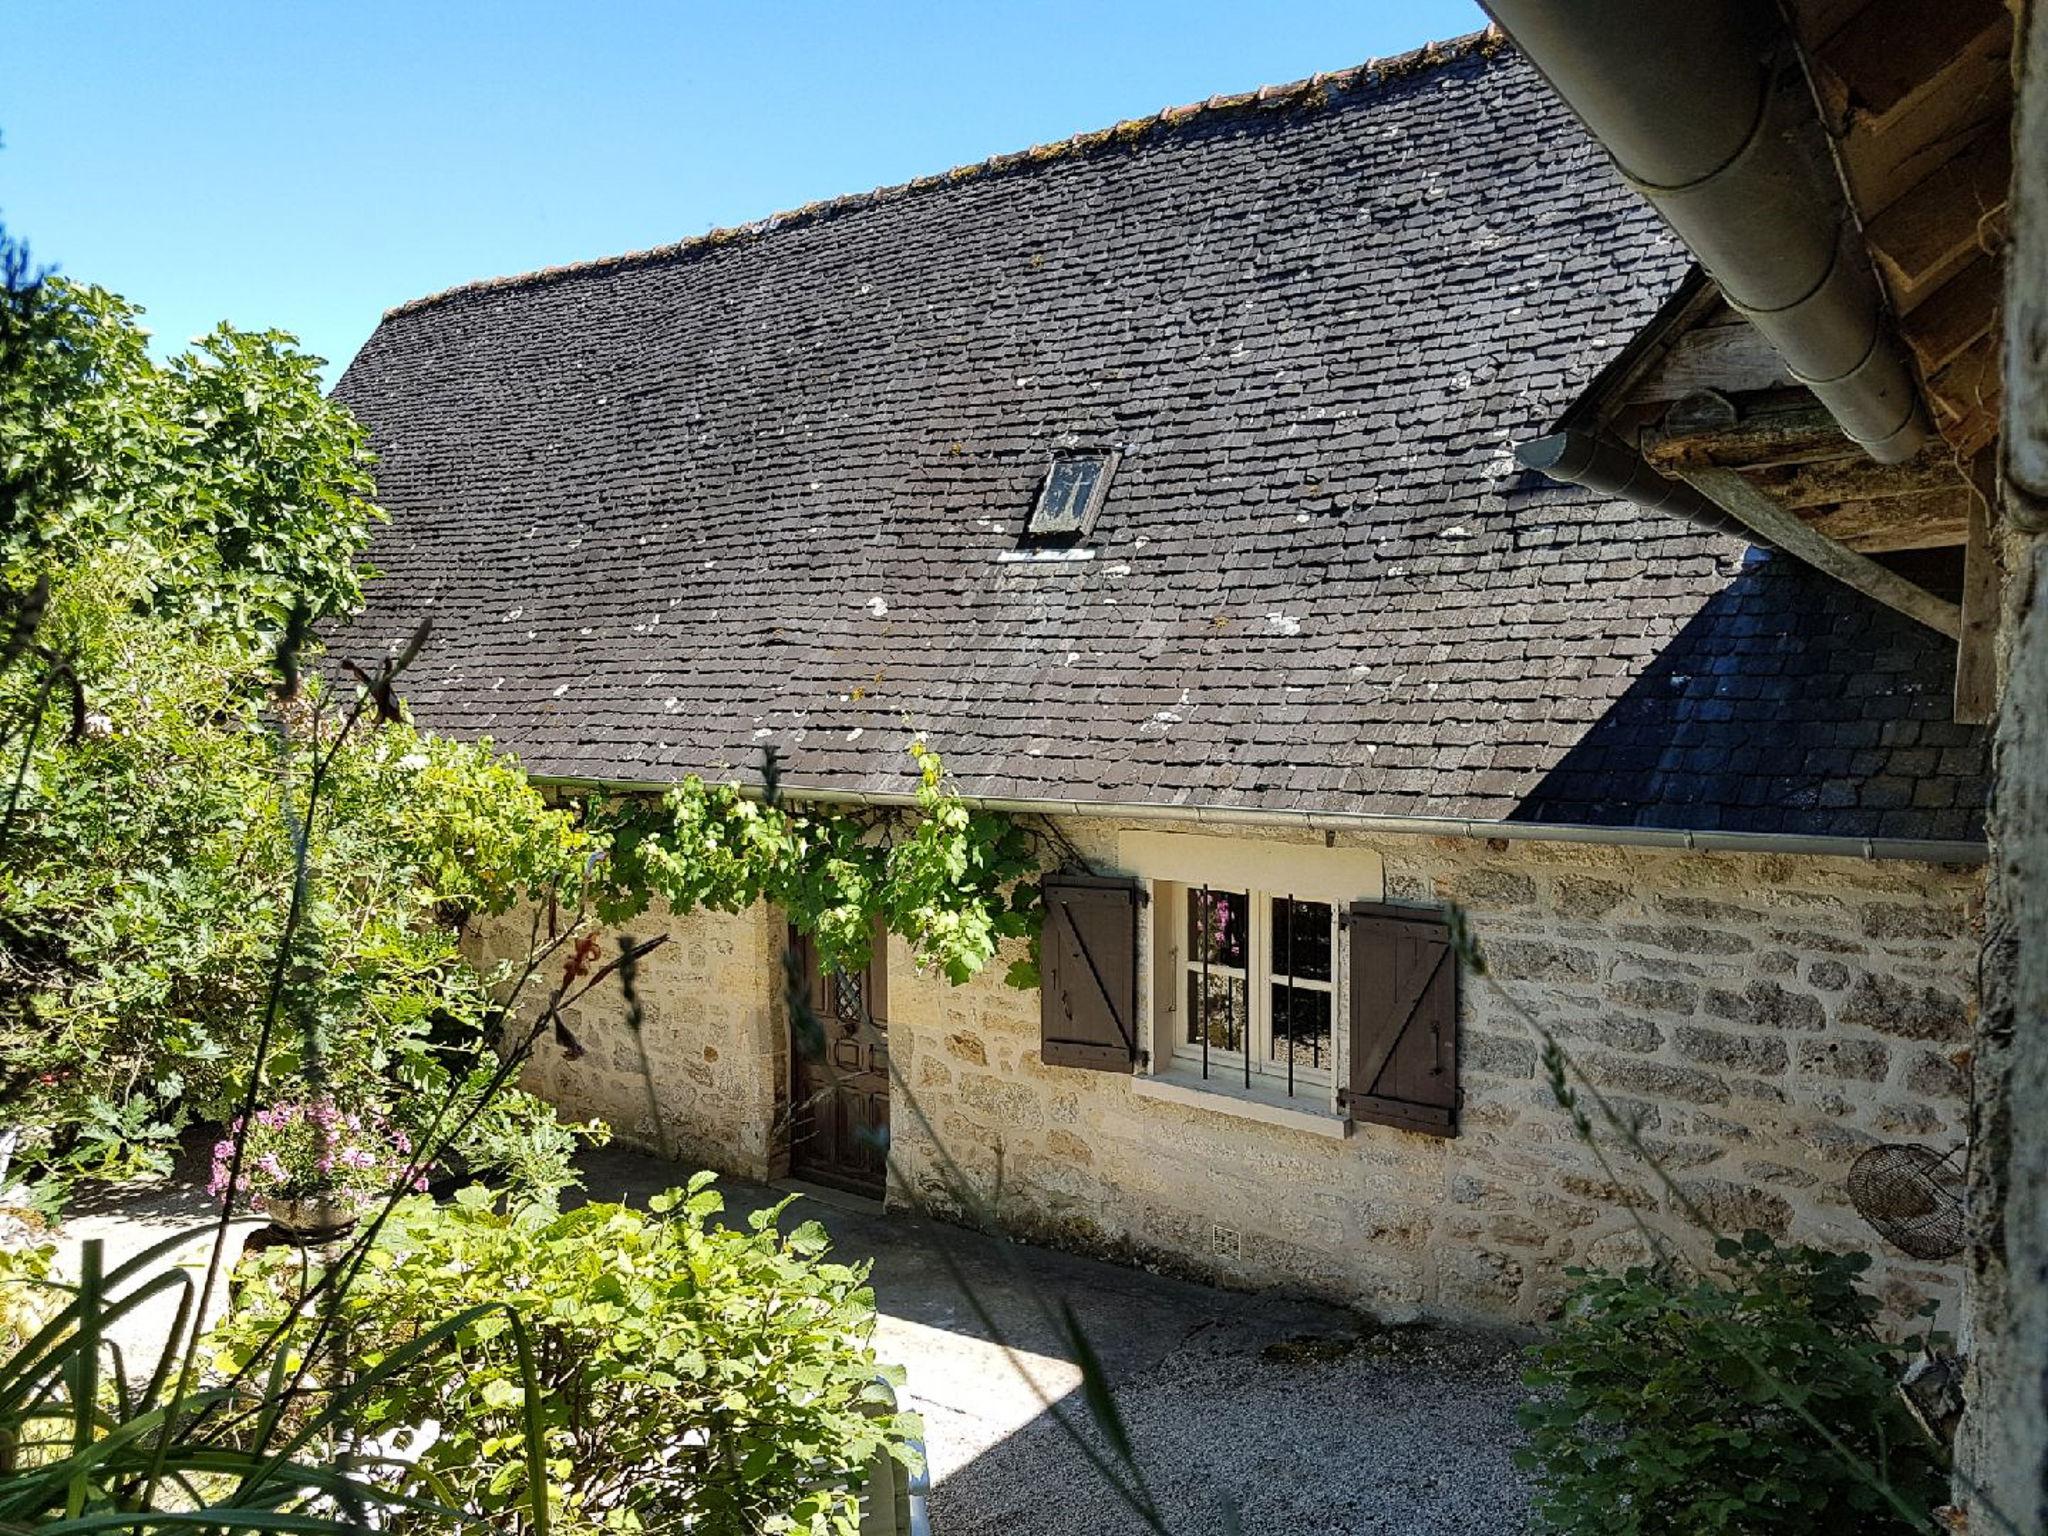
column 952, row 880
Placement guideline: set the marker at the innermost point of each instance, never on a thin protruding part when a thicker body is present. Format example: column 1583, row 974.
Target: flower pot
column 313, row 1219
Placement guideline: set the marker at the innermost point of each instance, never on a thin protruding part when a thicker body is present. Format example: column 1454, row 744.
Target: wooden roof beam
column 1742, row 501
column 1737, row 431
column 1833, row 482
column 1983, row 595
column 1929, row 520
column 1955, row 215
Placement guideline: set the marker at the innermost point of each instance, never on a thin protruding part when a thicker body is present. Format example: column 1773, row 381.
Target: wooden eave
column 1917, row 105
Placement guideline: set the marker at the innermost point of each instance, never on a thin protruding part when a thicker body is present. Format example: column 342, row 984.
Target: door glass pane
column 1227, row 1014
column 849, row 1003
column 1306, row 926
column 1301, row 1026
column 1219, row 927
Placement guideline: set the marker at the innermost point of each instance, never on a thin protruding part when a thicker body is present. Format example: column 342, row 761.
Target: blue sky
column 306, row 165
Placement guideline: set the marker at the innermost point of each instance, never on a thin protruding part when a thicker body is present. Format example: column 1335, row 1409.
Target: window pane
column 1301, row 1026
column 1219, row 927
column 1229, row 1007
column 1064, row 500
column 1307, row 925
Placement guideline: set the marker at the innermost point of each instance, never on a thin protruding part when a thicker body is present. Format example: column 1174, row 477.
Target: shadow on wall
column 1788, row 704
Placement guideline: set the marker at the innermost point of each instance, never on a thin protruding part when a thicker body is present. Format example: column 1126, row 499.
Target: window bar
column 1202, row 935
column 1290, row 994
column 1244, row 1025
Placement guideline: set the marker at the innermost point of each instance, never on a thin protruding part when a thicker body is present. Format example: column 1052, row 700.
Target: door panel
column 840, row 1092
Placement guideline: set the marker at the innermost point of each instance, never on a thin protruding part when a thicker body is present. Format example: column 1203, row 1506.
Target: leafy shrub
column 519, row 1140
column 694, row 1377
column 28, row 1297
column 1693, row 1407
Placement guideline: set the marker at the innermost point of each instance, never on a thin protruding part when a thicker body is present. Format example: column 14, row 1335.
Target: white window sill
column 1180, row 1086
column 1057, row 555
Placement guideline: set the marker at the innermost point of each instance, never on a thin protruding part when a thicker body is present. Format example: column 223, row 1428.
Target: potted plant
column 309, row 1166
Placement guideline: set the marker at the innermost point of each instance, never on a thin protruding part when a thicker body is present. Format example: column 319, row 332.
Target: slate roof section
column 670, row 509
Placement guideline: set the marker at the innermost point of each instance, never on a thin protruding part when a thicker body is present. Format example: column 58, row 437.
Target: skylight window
column 1075, row 484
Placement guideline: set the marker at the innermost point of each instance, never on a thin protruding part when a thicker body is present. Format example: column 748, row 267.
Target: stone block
column 1621, row 1031
column 1621, row 1249
column 1768, row 1005
column 1687, row 939
column 1914, row 920
column 1864, row 1061
column 1888, row 1006
column 1580, row 897
column 1765, row 1172
column 1065, row 1146
column 1761, row 1054
column 1538, row 960
column 1938, row 1075
column 1732, row 1208
column 1654, row 1079
column 1489, row 889
column 1478, row 1280
column 1910, row 1118
column 1827, row 975
column 1656, row 994
column 1500, row 1055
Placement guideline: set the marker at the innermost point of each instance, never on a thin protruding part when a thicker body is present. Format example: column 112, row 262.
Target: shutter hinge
column 1343, row 918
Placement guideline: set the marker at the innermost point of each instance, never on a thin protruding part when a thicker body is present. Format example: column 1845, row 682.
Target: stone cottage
column 1165, row 481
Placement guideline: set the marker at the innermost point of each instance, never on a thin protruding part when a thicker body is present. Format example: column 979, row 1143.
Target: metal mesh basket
column 1912, row 1196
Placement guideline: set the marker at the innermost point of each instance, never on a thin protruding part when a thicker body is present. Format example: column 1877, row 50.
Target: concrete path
column 1280, row 1416
column 130, row 1218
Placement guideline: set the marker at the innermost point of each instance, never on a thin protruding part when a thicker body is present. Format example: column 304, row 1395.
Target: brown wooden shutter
column 1088, row 973
column 1404, row 1019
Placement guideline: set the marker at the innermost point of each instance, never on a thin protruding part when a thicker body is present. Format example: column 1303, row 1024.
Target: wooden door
column 839, row 1095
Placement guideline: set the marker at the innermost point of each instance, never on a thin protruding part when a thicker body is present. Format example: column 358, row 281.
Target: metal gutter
column 1920, row 850
column 1599, row 464
column 1694, row 109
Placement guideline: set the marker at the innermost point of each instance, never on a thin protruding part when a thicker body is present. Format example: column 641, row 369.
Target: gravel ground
column 1408, row 1430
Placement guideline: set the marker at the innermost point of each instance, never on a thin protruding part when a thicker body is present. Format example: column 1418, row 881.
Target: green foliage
column 223, row 483
column 947, row 881
column 90, row 1442
column 27, row 1295
column 518, row 1140
column 1691, row 1407
column 955, row 883
column 693, row 1377
column 174, row 522
column 146, row 884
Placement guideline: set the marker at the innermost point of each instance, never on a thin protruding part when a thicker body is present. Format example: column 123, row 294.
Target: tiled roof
column 669, row 509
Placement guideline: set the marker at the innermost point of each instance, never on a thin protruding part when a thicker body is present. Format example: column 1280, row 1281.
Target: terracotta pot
column 316, row 1218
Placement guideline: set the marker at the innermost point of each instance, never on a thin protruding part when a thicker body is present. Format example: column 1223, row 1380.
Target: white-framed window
column 1246, row 986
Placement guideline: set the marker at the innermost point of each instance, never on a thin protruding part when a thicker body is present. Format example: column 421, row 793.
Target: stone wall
column 713, row 1027
column 1766, row 1018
